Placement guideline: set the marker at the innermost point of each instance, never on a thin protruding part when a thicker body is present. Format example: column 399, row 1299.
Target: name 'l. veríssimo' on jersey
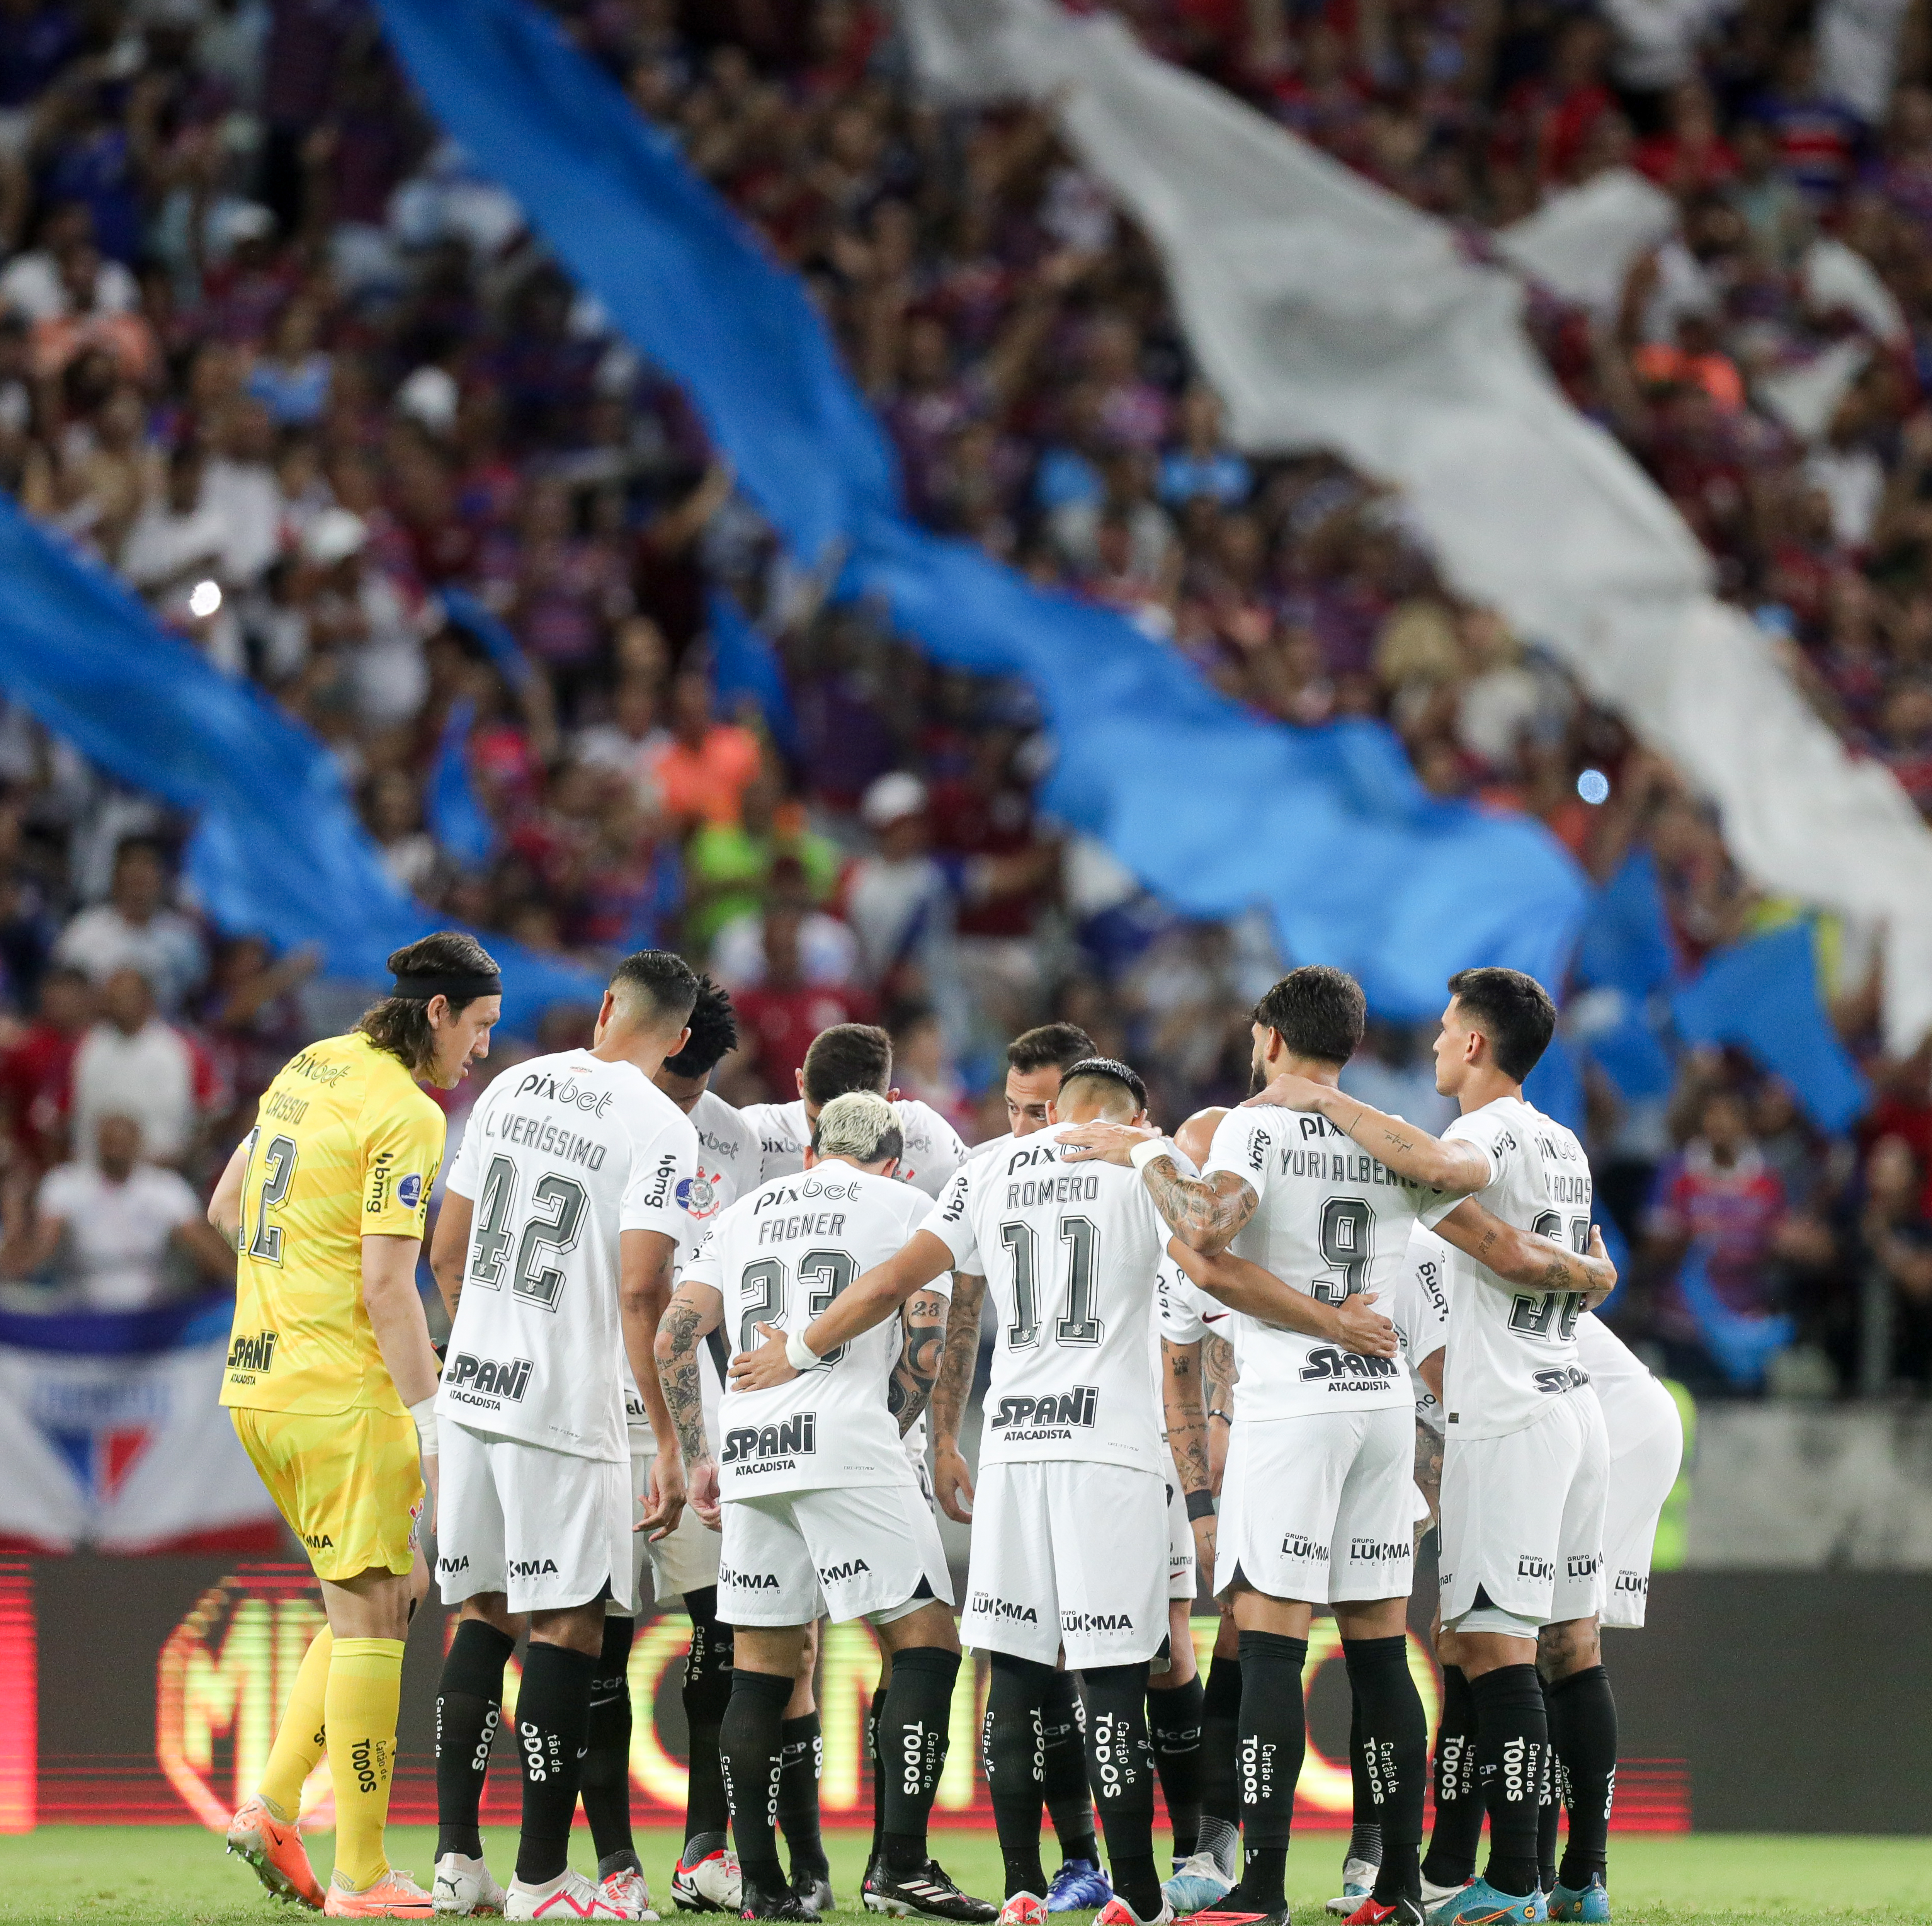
column 347, row 1145
column 561, row 1156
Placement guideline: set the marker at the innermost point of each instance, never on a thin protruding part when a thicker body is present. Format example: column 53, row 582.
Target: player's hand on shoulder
column 1364, row 1330
column 762, row 1369
column 1286, row 1091
column 953, row 1483
column 703, row 1495
column 1101, row 1142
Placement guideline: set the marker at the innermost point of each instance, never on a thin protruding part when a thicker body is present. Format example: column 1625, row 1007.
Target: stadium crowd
column 294, row 367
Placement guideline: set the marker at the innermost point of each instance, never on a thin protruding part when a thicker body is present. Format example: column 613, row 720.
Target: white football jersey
column 1330, row 1222
column 1512, row 1352
column 561, row 1155
column 1418, row 1305
column 727, row 1166
column 1069, row 1251
column 933, row 1149
column 779, row 1257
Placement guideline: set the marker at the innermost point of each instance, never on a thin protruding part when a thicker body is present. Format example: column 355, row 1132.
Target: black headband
column 461, row 986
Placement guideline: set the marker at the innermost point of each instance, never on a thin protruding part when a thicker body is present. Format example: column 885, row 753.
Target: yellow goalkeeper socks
column 365, row 1690
column 299, row 1741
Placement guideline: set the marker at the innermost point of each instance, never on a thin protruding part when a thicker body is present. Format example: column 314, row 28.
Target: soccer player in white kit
column 1036, row 1059
column 1070, row 1536
column 848, row 1057
column 1524, row 1467
column 684, row 1562
column 560, row 1221
column 820, row 1506
column 1317, row 1503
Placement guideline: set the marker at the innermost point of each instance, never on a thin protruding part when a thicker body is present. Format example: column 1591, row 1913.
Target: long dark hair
column 401, row 1024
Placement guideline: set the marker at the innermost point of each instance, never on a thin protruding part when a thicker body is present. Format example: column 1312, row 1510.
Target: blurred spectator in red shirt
column 37, row 1072
column 778, row 1018
column 1720, row 1193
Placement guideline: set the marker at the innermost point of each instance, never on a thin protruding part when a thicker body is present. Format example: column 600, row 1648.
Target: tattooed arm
column 1203, row 1212
column 954, row 1387
column 1187, row 1427
column 1524, row 1257
column 925, row 1320
column 1442, row 1163
column 1218, row 1375
column 693, row 1311
column 1428, row 1475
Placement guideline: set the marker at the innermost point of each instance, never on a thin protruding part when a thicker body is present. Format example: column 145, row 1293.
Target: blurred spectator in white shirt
column 132, row 1063
column 135, row 929
column 118, row 1233
column 828, row 952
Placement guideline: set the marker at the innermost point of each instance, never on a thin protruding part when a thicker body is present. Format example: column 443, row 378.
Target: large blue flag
column 1210, row 806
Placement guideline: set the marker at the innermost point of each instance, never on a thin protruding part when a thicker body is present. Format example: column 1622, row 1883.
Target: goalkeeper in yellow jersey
column 330, row 1382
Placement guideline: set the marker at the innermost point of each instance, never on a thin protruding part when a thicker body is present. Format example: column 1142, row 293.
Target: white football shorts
column 1068, row 1553
column 1320, row 1508
column 1522, row 1516
column 548, row 1529
column 1646, row 1435
column 686, row 1561
column 1182, row 1582
column 856, row 1551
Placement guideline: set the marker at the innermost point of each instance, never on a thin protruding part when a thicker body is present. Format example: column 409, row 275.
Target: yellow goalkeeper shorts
column 349, row 1483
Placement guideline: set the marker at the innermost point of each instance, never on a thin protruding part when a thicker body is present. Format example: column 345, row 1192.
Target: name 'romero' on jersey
column 1069, row 1251
column 1331, row 1221
column 779, row 1257
column 561, row 1156
column 1512, row 1352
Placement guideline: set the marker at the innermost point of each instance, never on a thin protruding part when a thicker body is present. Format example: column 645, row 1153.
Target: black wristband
column 1222, row 1415
column 1200, row 1504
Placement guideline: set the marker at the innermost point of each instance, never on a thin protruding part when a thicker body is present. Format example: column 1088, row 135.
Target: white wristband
column 798, row 1354
column 1144, row 1153
column 425, row 1414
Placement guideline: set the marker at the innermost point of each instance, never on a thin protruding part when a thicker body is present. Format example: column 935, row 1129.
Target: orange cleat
column 273, row 1846
column 394, row 1896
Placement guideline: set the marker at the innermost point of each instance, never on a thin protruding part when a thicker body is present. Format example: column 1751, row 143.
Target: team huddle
column 1270, row 1351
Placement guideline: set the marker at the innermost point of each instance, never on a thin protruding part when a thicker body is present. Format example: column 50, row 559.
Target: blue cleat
column 1079, row 1886
column 1590, row 1903
column 1479, row 1904
column 1197, row 1885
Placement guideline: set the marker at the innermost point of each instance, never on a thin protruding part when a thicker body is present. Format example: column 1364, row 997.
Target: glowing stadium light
column 1594, row 786
column 203, row 599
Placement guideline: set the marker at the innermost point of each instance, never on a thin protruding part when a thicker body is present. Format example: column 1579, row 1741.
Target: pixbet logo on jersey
column 797, row 1436
column 507, row 1378
column 593, row 1103
column 1079, row 1406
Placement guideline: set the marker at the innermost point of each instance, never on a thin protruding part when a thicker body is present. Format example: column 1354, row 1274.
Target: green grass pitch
column 173, row 1875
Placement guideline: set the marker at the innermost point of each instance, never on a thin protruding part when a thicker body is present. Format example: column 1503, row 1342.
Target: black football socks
column 605, row 1780
column 801, row 1761
column 468, row 1704
column 749, row 1743
column 1174, row 1724
column 915, row 1732
column 1220, row 1794
column 873, row 1711
column 1011, row 1750
column 553, row 1725
column 707, row 1691
column 1063, row 1767
column 1392, row 1749
column 1365, row 1832
column 1271, row 1740
column 1120, row 1768
column 1583, row 1730
column 1451, row 1857
column 1512, row 1751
